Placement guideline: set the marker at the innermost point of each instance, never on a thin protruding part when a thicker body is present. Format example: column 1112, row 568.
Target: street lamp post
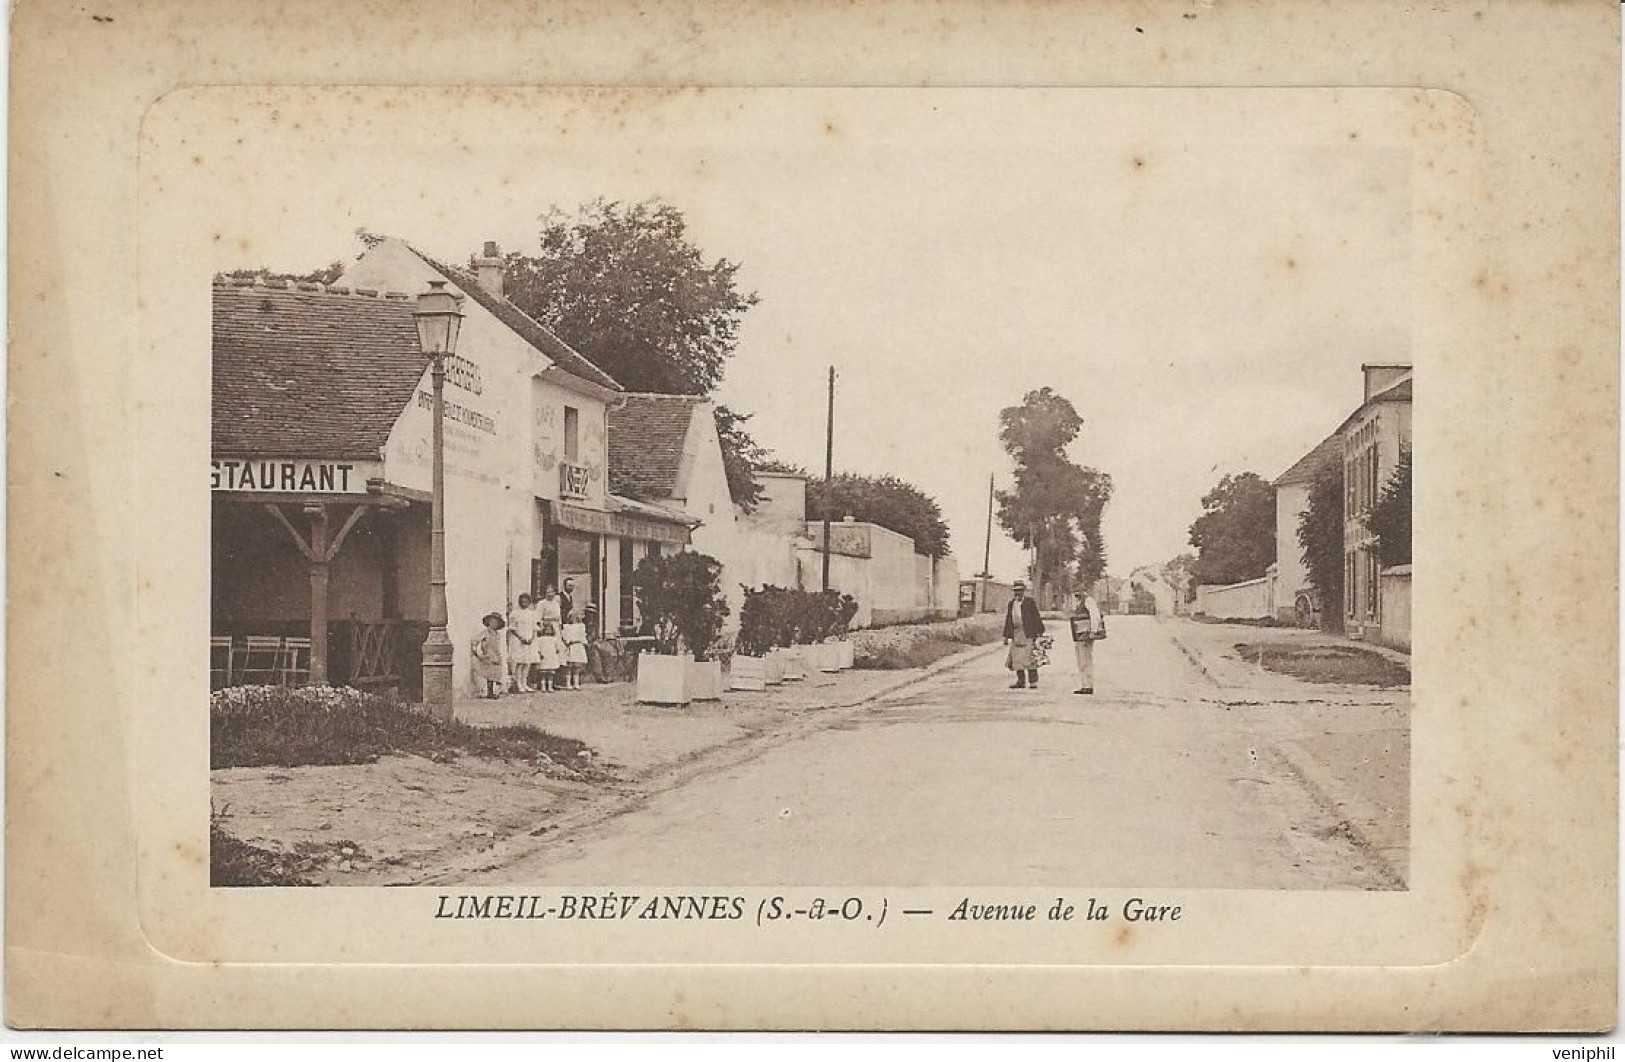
column 438, row 321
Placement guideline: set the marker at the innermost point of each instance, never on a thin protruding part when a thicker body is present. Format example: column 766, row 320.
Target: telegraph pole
column 987, row 546
column 829, row 469
column 1038, row 575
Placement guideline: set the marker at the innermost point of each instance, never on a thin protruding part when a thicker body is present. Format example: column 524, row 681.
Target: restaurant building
column 322, row 428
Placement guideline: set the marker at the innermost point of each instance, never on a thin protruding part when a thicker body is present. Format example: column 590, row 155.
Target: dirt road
column 1174, row 774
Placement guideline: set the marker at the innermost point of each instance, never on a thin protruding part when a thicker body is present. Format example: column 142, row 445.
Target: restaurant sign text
column 292, row 475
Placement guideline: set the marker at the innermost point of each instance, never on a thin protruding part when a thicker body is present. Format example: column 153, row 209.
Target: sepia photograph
column 886, row 517
column 894, row 487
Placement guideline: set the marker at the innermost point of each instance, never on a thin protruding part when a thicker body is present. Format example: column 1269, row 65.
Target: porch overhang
column 641, row 522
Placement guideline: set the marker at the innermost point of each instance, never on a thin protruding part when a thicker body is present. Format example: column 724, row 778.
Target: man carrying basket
column 1088, row 627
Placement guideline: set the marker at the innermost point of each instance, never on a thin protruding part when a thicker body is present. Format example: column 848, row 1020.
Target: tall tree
column 742, row 457
column 1177, row 574
column 1055, row 503
column 1320, row 536
column 1390, row 516
column 1235, row 535
column 887, row 501
column 625, row 285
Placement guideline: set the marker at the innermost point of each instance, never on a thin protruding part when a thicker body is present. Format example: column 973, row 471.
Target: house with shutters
column 1376, row 601
column 1366, row 447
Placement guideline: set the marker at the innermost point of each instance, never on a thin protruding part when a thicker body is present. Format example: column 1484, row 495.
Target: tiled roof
column 529, row 329
column 618, row 504
column 1400, row 392
column 1309, row 465
column 303, row 370
column 646, row 439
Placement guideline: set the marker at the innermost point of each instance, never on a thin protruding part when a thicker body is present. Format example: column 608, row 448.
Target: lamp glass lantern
column 438, row 320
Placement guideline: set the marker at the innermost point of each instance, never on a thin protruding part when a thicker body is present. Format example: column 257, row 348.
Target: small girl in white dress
column 575, row 653
column 549, row 647
column 522, row 643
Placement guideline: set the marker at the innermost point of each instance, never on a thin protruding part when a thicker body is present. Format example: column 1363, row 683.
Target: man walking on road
column 1022, row 627
column 1087, row 628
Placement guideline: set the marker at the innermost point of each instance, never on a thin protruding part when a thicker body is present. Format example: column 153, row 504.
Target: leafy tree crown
column 1235, row 535
column 625, row 285
column 1055, row 505
column 885, row 500
column 1390, row 516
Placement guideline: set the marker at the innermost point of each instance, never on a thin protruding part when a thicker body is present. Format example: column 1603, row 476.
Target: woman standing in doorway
column 522, row 643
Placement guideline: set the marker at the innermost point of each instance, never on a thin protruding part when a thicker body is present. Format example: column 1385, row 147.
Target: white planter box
column 774, row 664
column 705, row 680
column 848, row 654
column 826, row 656
column 795, row 663
column 663, row 679
column 747, row 673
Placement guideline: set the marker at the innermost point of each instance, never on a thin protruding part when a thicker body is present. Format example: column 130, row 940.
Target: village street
column 1189, row 767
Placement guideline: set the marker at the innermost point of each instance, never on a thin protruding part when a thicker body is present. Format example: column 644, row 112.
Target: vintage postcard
column 771, row 518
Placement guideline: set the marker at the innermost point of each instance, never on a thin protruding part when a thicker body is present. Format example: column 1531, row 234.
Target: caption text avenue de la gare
column 614, row 906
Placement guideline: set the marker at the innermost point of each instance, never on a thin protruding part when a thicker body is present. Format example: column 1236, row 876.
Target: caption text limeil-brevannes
column 613, row 906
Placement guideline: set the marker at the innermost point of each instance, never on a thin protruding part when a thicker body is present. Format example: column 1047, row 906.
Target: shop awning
column 643, row 521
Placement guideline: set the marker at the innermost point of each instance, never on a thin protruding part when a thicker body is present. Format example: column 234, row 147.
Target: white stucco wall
column 1248, row 600
column 1396, row 607
column 1292, row 576
column 704, row 496
column 877, row 566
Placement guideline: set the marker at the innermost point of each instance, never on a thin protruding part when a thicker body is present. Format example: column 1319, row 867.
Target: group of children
column 546, row 647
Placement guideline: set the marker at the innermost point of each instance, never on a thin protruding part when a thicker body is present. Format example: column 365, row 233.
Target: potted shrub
column 705, row 679
column 749, row 668
column 792, row 661
column 747, row 673
column 847, row 611
column 770, row 626
column 682, row 595
column 818, row 619
column 755, row 639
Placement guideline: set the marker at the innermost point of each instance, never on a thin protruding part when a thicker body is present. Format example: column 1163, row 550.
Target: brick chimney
column 1379, row 378
column 488, row 268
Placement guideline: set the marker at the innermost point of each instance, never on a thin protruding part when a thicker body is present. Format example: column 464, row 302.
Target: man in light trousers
column 1087, row 628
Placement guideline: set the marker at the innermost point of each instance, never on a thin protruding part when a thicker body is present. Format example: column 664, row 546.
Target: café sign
column 295, row 475
column 573, row 480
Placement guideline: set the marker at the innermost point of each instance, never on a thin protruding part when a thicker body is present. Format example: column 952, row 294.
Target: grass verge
column 1342, row 664
column 916, row 645
column 273, row 726
column 237, row 864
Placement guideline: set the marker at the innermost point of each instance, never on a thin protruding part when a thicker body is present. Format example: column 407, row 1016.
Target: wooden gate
column 373, row 659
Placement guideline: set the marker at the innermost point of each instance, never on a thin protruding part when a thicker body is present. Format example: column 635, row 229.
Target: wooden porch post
column 319, row 551
column 318, row 593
